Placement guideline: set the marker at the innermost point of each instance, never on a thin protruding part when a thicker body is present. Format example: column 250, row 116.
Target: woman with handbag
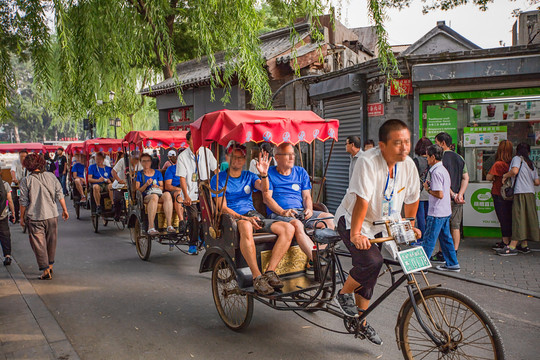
column 503, row 208
column 150, row 183
column 420, row 160
column 40, row 191
column 524, row 216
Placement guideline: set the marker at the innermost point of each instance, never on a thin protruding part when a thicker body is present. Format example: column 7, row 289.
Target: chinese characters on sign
column 484, row 135
column 375, row 109
column 441, row 119
column 404, row 87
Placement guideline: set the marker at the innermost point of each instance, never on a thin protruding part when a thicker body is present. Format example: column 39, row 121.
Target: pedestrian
column 392, row 184
column 420, row 160
column 155, row 160
column 524, row 216
column 18, row 172
column 439, row 210
column 40, row 191
column 5, row 235
column 353, row 146
column 503, row 208
column 459, row 180
column 370, row 144
column 60, row 161
column 49, row 163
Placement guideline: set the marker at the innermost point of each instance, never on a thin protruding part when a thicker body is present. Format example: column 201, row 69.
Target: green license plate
column 126, row 195
column 413, row 260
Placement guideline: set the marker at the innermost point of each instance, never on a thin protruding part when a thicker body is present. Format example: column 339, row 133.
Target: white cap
column 171, row 153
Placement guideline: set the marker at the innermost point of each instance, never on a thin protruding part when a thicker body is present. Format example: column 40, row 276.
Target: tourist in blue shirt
column 77, row 174
column 238, row 203
column 289, row 196
column 100, row 177
column 172, row 185
column 150, row 183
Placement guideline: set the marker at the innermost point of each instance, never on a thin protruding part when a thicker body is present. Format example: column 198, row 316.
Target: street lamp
column 116, row 123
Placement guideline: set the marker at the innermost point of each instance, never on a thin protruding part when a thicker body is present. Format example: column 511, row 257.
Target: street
column 110, row 304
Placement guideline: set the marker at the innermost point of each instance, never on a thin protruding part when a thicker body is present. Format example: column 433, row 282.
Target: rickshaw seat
column 260, row 238
column 258, row 203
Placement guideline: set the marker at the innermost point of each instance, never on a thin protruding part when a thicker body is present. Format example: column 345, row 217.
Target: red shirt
column 498, row 170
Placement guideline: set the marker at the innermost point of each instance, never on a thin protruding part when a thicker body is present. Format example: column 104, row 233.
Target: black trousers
column 366, row 263
column 5, row 237
column 16, row 204
column 118, row 196
column 193, row 223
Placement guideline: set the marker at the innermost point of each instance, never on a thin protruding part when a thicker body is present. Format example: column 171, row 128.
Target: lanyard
column 393, row 187
column 99, row 172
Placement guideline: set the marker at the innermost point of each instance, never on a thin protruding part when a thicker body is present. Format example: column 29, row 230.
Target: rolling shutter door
column 348, row 110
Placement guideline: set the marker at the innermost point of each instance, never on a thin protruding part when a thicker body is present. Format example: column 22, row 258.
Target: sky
column 485, row 29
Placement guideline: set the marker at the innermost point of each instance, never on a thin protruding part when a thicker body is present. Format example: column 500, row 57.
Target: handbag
column 507, row 189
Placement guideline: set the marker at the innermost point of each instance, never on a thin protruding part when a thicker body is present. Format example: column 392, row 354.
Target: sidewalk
column 27, row 328
column 480, row 264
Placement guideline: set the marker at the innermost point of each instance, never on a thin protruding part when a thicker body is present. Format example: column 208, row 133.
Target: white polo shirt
column 19, row 170
column 368, row 181
column 120, row 169
column 185, row 167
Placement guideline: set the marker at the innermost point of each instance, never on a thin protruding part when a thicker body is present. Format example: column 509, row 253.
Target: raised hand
column 263, row 164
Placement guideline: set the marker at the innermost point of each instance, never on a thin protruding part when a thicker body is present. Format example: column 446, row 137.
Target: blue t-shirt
column 78, row 169
column 170, row 174
column 287, row 190
column 142, row 179
column 104, row 172
column 239, row 190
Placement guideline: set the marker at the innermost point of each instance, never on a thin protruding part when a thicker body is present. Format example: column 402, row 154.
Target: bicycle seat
column 326, row 236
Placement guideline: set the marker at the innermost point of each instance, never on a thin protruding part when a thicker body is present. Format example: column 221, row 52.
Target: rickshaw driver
column 77, row 173
column 238, row 202
column 289, row 195
column 172, row 185
column 186, row 170
column 383, row 181
column 100, row 175
column 119, row 175
column 150, row 183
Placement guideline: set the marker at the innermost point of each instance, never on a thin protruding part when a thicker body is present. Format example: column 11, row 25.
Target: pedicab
column 111, row 147
column 138, row 219
column 72, row 150
column 433, row 322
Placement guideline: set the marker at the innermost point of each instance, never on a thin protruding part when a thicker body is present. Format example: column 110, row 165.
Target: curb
column 485, row 283
column 56, row 338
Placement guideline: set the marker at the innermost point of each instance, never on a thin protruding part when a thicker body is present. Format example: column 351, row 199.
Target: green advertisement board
column 441, row 119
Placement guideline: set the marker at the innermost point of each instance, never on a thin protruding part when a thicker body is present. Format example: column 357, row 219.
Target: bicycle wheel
column 234, row 308
column 464, row 328
column 142, row 243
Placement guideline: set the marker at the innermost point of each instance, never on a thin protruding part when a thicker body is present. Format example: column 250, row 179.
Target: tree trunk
column 16, row 131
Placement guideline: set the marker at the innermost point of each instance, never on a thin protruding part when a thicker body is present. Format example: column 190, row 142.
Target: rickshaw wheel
column 234, row 308
column 95, row 222
column 142, row 243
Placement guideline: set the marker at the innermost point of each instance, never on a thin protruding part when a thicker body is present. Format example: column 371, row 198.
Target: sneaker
column 437, row 258
column 370, row 334
column 523, row 249
column 153, row 232
column 449, row 268
column 346, row 304
column 7, row 261
column 499, row 245
column 193, row 250
column 273, row 279
column 507, row 251
column 309, row 268
column 261, row 285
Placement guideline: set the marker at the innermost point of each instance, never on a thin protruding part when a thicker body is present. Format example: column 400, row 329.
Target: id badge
column 385, row 208
column 194, row 177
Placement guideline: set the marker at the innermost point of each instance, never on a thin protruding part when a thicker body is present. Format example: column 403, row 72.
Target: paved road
column 110, row 304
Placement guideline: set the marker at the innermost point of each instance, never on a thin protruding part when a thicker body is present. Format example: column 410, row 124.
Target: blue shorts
column 307, row 223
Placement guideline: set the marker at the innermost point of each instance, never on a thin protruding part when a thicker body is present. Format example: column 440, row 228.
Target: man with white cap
column 119, row 175
column 191, row 167
column 172, row 185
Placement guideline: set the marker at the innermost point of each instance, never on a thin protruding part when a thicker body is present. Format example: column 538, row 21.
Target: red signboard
column 375, row 109
column 404, row 84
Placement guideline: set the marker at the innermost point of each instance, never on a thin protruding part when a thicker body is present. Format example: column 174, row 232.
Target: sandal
column 46, row 276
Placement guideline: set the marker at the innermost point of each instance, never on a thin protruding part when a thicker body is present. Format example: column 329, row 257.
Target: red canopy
column 75, row 148
column 263, row 125
column 15, row 148
column 156, row 139
column 51, row 148
column 102, row 144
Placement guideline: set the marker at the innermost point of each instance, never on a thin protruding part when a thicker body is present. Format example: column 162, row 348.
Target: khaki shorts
column 457, row 216
column 103, row 187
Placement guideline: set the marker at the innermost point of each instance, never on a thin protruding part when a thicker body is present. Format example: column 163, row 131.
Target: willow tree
column 83, row 49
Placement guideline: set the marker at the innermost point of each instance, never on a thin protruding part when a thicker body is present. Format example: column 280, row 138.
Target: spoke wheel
column 95, row 222
column 234, row 307
column 464, row 328
column 142, row 243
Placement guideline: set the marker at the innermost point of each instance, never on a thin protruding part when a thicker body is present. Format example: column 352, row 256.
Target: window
column 180, row 118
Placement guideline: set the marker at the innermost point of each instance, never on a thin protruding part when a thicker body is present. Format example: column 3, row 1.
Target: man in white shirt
column 353, row 146
column 120, row 183
column 189, row 168
column 392, row 184
column 18, row 172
